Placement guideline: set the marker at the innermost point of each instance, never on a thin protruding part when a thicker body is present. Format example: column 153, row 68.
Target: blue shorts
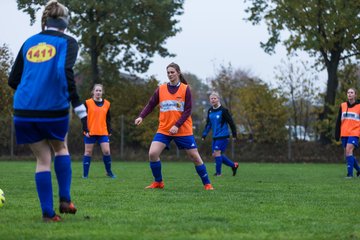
column 96, row 138
column 182, row 142
column 350, row 140
column 31, row 130
column 220, row 144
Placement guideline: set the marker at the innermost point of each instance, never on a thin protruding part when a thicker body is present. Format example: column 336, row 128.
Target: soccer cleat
column 208, row 187
column 110, row 175
column 67, row 207
column 358, row 174
column 156, row 185
column 235, row 168
column 55, row 218
column 217, row 175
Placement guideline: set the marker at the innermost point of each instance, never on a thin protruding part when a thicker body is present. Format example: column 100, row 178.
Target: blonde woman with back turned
column 43, row 79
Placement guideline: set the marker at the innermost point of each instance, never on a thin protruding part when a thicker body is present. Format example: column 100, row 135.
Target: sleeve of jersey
column 338, row 126
column 71, row 55
column 207, row 127
column 84, row 120
column 153, row 102
column 230, row 121
column 108, row 122
column 16, row 71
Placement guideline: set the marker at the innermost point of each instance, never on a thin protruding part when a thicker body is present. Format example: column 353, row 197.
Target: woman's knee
column 153, row 155
column 106, row 152
column 88, row 149
column 88, row 152
column 216, row 154
column 105, row 148
column 195, row 156
column 349, row 150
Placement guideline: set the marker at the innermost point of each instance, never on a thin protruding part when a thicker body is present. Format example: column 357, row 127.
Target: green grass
column 264, row 201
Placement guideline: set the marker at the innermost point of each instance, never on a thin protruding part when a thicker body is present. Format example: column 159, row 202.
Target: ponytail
column 182, row 79
column 55, row 15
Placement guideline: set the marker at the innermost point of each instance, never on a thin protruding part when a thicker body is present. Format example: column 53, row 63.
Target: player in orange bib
column 348, row 128
column 99, row 130
column 175, row 123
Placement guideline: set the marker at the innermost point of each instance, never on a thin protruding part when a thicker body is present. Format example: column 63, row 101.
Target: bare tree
column 296, row 82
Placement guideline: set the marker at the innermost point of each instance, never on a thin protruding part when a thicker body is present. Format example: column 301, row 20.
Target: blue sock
column 156, row 170
column 107, row 162
column 350, row 165
column 62, row 166
column 45, row 193
column 227, row 161
column 86, row 165
column 356, row 165
column 218, row 162
column 201, row 170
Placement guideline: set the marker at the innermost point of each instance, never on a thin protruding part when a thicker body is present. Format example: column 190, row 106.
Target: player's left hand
column 174, row 130
column 138, row 121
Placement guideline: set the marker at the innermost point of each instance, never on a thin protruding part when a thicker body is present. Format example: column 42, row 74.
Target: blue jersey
column 219, row 120
column 43, row 76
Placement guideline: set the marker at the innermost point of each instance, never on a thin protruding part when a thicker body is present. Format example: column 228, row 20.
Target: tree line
column 109, row 49
column 260, row 111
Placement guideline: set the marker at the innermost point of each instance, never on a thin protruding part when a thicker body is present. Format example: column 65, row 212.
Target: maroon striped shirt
column 154, row 101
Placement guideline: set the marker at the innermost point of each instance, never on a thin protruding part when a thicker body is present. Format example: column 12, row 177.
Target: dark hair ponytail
column 182, row 79
column 177, row 68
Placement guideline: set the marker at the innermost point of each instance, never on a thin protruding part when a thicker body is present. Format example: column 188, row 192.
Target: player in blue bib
column 43, row 79
column 218, row 120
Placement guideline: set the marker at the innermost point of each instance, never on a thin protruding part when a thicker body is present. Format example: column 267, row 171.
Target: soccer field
column 264, row 201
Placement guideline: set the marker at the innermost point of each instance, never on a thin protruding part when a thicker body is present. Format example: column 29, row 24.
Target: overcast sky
column 214, row 33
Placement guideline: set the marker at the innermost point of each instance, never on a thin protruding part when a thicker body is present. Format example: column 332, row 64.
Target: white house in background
column 300, row 133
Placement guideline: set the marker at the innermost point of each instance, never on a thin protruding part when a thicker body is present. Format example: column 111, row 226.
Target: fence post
column 122, row 136
column 289, row 143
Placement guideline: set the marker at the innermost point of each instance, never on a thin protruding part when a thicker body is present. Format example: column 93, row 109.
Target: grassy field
column 264, row 201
